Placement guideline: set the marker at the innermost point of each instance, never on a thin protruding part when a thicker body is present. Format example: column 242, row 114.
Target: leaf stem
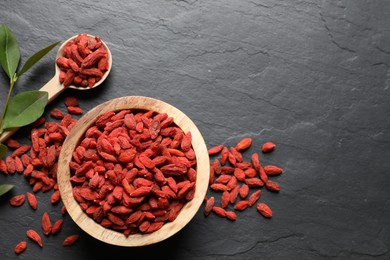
column 12, row 82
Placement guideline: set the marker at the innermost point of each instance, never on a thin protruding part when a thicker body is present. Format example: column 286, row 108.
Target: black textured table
column 311, row 76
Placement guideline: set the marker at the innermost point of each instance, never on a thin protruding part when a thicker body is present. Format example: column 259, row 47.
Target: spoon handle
column 53, row 87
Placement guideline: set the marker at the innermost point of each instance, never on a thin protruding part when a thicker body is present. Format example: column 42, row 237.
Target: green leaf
column 36, row 57
column 24, row 108
column 3, row 150
column 9, row 51
column 4, row 188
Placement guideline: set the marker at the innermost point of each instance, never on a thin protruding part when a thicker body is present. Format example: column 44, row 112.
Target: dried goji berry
column 57, row 114
column 55, row 197
column 75, row 110
column 239, row 174
column 46, row 223
column 218, row 187
column 267, row 147
column 10, row 162
column 57, row 226
column 34, row 236
column 3, row 167
column 272, row 170
column 225, row 199
column 214, row 150
column 272, row 186
column 241, row 205
column 219, row 211
column 32, row 200
column 264, row 210
column 224, row 179
column 224, row 155
column 233, row 194
column 254, row 182
column 243, row 144
column 231, row 215
column 20, row 247
column 154, row 226
column 12, row 143
column 209, row 205
column 244, row 191
column 18, row 164
column 254, row 197
column 70, row 240
column 71, row 101
column 17, row 200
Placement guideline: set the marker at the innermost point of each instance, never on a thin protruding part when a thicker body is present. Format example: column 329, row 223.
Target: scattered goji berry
column 267, row 147
column 32, row 200
column 233, row 176
column 20, row 247
column 57, row 226
column 71, row 101
column 17, row 200
column 219, row 211
column 209, row 205
column 264, row 210
column 55, row 197
column 57, row 114
column 254, row 197
column 70, row 240
column 272, row 170
column 10, row 163
column 243, row 144
column 231, row 215
column 272, row 186
column 34, row 236
column 241, row 205
column 46, row 223
column 3, row 167
column 214, row 150
column 12, row 143
column 75, row 110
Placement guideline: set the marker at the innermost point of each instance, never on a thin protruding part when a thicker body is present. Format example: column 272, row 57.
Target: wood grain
column 111, row 236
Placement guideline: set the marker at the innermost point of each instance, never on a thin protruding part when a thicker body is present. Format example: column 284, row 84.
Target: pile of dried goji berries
column 238, row 181
column 83, row 62
column 133, row 171
column 149, row 171
column 38, row 163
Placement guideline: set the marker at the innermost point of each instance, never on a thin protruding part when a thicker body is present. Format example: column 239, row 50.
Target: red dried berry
column 17, row 200
column 264, row 210
column 70, row 240
column 267, row 147
column 20, row 247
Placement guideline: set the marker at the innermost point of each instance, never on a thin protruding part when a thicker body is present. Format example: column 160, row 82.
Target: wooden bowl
column 111, row 236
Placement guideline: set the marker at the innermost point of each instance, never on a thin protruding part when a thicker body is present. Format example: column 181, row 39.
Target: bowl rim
column 110, row 236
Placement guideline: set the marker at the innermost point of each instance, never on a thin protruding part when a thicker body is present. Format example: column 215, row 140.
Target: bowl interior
column 170, row 228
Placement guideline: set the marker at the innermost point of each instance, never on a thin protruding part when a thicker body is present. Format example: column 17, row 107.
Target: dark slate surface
column 311, row 76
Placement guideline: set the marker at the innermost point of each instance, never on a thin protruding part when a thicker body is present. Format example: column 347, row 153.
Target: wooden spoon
column 54, row 88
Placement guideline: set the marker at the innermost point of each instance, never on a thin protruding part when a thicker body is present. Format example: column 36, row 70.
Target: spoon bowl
column 109, row 57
